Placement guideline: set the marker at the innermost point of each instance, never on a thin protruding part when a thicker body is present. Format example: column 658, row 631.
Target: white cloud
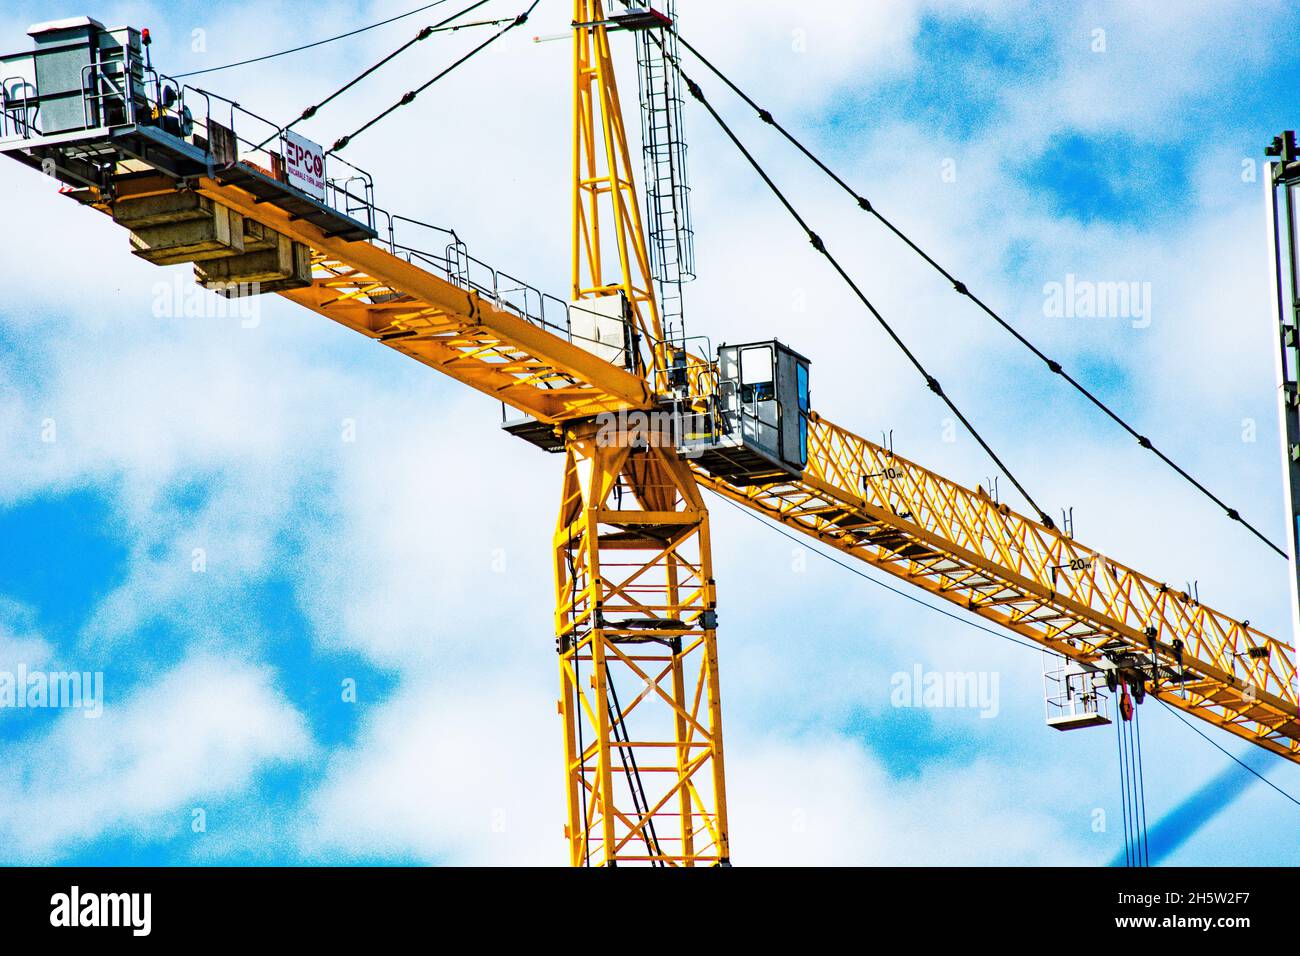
column 200, row 731
column 448, row 774
column 825, row 801
column 417, row 785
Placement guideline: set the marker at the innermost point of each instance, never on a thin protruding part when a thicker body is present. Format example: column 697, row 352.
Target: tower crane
column 645, row 417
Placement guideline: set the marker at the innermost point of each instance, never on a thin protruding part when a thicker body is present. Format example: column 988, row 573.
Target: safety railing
column 127, row 91
column 108, row 90
column 108, row 97
column 18, row 113
column 689, row 375
column 166, row 105
column 505, row 291
column 1071, row 694
column 350, row 193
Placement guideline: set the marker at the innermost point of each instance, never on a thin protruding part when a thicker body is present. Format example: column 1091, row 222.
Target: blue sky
column 410, row 563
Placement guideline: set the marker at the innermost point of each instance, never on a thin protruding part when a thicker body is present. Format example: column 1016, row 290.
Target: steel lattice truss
column 966, row 548
column 635, row 625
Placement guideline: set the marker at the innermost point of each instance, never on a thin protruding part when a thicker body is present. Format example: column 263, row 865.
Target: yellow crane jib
column 963, row 546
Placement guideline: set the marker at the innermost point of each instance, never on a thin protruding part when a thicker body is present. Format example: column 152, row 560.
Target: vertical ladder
column 668, row 213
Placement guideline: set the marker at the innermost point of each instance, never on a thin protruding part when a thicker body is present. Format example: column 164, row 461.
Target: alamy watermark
column 37, row 689
column 131, row 911
column 654, row 429
column 1085, row 299
column 975, row 690
column 183, row 299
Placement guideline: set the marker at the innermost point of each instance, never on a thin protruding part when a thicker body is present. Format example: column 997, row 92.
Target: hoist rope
column 1132, row 785
column 635, row 786
column 1142, row 785
column 1123, row 787
column 576, row 703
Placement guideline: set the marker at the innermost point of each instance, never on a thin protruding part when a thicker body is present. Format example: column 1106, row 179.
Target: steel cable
column 962, row 289
column 817, row 243
column 410, row 96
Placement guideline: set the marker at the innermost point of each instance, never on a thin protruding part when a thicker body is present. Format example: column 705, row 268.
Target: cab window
column 757, row 375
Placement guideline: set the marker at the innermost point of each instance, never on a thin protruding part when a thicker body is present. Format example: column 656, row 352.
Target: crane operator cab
column 756, row 432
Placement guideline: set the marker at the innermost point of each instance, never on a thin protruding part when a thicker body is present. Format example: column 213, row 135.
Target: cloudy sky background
column 414, row 561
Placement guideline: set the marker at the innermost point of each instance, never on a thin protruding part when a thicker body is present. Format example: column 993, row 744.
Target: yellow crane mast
column 634, row 588
column 594, row 378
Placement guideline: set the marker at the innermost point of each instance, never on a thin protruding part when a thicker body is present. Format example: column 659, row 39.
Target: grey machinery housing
column 80, row 76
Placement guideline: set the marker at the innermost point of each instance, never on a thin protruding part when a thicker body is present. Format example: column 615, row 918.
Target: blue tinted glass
column 801, row 378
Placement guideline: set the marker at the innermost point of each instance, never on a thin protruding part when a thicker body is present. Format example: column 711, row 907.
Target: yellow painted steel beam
column 635, row 625
column 962, row 546
column 435, row 321
column 606, row 204
column 457, row 331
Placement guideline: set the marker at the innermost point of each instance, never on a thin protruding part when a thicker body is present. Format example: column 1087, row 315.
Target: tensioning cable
column 442, row 26
column 817, row 243
column 313, row 45
column 409, row 97
column 962, row 289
